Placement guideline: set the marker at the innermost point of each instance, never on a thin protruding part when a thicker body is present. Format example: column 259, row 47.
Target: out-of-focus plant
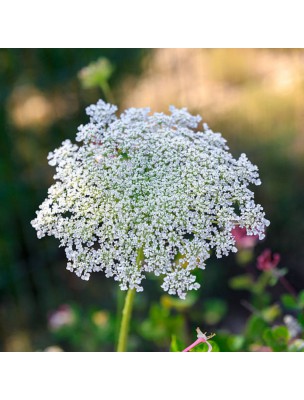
column 98, row 74
column 276, row 323
column 245, row 245
column 161, row 324
column 77, row 329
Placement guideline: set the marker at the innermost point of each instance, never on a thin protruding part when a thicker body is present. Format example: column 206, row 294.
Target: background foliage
column 254, row 97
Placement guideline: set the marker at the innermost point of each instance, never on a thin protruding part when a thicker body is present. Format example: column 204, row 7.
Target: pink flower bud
column 244, row 241
column 266, row 261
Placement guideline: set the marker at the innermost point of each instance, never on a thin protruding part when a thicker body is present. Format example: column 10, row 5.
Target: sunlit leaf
column 236, row 342
column 176, row 345
column 97, row 73
column 271, row 313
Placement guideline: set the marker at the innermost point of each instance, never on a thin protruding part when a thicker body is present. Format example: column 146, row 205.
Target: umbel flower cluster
column 147, row 194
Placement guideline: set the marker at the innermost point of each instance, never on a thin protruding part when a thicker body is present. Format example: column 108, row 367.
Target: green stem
column 127, row 310
column 120, row 296
column 107, row 92
column 125, row 322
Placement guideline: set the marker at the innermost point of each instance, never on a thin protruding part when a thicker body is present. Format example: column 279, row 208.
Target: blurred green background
column 254, row 97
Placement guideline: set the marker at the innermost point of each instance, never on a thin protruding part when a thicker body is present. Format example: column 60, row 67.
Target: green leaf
column 301, row 299
column 176, row 345
column 273, row 280
column 236, row 342
column 242, row 282
column 268, row 337
column 261, row 300
column 280, row 334
column 301, row 319
column 277, row 338
column 271, row 313
column 289, row 301
column 203, row 347
column 262, row 282
column 255, row 328
column 97, row 73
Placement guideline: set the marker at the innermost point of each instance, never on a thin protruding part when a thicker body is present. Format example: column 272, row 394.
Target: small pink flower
column 63, row 316
column 244, row 241
column 201, row 338
column 267, row 262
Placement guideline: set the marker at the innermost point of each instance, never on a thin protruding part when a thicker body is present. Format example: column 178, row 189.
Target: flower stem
column 288, row 286
column 201, row 338
column 120, row 297
column 127, row 310
column 125, row 322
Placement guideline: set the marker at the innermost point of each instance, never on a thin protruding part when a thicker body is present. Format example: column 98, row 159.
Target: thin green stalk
column 127, row 310
column 120, row 297
column 125, row 322
column 105, row 87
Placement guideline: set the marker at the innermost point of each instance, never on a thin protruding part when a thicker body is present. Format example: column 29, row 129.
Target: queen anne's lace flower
column 147, row 193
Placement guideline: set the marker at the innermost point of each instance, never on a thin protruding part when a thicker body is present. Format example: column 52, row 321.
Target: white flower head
column 147, row 194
